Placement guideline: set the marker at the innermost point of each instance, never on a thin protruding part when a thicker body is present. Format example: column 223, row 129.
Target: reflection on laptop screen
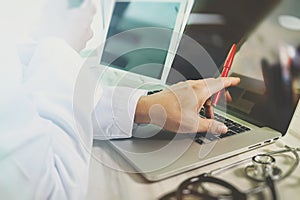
column 216, row 25
column 132, row 15
column 268, row 92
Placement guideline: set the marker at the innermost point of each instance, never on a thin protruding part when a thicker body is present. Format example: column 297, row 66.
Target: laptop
column 257, row 116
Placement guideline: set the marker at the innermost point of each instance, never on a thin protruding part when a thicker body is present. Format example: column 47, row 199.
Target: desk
column 110, row 184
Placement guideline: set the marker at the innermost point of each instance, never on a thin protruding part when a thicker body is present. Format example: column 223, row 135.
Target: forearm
column 142, row 111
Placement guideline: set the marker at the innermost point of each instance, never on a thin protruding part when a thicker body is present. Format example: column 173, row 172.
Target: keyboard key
column 228, row 124
column 233, row 128
column 221, row 118
column 229, row 133
column 211, row 137
column 245, row 128
column 199, row 135
column 208, row 136
column 198, row 140
column 202, row 113
column 228, row 120
column 236, row 124
column 236, row 129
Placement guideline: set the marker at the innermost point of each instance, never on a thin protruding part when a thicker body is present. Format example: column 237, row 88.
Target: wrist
column 142, row 111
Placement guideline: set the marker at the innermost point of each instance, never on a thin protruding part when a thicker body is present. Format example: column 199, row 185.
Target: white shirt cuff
column 114, row 113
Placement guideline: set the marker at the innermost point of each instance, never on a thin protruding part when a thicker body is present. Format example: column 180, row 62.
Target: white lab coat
column 45, row 146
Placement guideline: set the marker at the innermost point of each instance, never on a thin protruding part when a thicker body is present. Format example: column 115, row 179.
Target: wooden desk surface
column 109, row 181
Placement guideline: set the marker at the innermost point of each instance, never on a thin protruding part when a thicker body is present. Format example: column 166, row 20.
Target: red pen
column 226, row 68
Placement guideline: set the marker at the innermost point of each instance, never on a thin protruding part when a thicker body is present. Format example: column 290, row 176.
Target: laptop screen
column 216, row 25
column 269, row 88
column 269, row 71
column 139, row 14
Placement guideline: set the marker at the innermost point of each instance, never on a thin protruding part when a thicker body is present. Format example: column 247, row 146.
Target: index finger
column 213, row 85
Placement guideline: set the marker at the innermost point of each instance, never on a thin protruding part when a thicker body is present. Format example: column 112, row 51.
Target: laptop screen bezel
column 182, row 17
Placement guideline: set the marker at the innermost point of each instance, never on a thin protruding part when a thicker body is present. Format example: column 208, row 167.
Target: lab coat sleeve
column 50, row 81
column 113, row 116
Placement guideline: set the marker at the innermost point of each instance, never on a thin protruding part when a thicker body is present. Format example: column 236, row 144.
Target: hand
column 209, row 108
column 177, row 108
column 72, row 25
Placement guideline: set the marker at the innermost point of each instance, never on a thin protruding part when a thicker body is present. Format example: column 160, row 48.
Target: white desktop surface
column 110, row 184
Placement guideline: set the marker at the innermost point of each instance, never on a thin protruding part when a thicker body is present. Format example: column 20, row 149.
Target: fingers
column 212, row 86
column 228, row 96
column 209, row 109
column 215, row 85
column 211, row 126
column 229, row 81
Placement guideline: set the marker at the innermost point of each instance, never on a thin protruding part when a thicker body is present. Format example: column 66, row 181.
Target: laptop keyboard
column 233, row 129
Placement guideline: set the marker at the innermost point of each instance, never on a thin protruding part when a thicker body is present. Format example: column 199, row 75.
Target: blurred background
column 259, row 27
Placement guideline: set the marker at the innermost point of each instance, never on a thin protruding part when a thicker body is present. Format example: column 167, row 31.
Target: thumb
column 211, row 126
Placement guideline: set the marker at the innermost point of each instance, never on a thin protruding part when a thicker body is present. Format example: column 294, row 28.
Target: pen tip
column 233, row 48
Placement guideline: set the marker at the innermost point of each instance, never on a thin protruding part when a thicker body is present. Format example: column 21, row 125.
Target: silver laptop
column 258, row 115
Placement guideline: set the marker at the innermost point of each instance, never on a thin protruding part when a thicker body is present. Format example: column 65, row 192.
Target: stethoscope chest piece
column 263, row 166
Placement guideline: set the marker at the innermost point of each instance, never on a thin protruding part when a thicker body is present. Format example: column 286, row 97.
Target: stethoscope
column 264, row 165
column 263, row 169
